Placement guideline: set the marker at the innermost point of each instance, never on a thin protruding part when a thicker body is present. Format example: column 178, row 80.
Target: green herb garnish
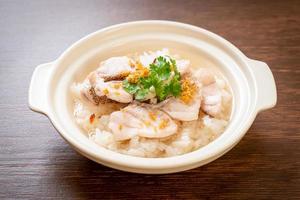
column 162, row 81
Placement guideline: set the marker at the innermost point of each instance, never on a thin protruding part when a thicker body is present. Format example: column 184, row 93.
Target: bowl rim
column 132, row 163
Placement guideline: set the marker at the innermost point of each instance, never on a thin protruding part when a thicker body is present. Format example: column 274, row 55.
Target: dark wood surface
column 35, row 162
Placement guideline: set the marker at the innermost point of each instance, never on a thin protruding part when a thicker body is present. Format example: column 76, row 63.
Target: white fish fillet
column 141, row 121
column 114, row 67
column 113, row 90
column 182, row 111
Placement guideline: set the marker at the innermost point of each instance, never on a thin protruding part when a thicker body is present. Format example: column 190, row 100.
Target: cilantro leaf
column 141, row 94
column 163, row 77
column 131, row 88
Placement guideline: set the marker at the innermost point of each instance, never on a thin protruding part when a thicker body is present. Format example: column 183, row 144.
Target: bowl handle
column 266, row 87
column 38, row 88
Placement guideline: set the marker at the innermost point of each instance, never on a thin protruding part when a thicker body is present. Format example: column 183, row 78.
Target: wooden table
column 35, row 162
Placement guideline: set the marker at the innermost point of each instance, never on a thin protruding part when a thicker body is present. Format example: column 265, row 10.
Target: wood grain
column 36, row 163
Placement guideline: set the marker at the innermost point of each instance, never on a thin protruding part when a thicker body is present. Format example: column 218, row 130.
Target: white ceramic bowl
column 252, row 83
